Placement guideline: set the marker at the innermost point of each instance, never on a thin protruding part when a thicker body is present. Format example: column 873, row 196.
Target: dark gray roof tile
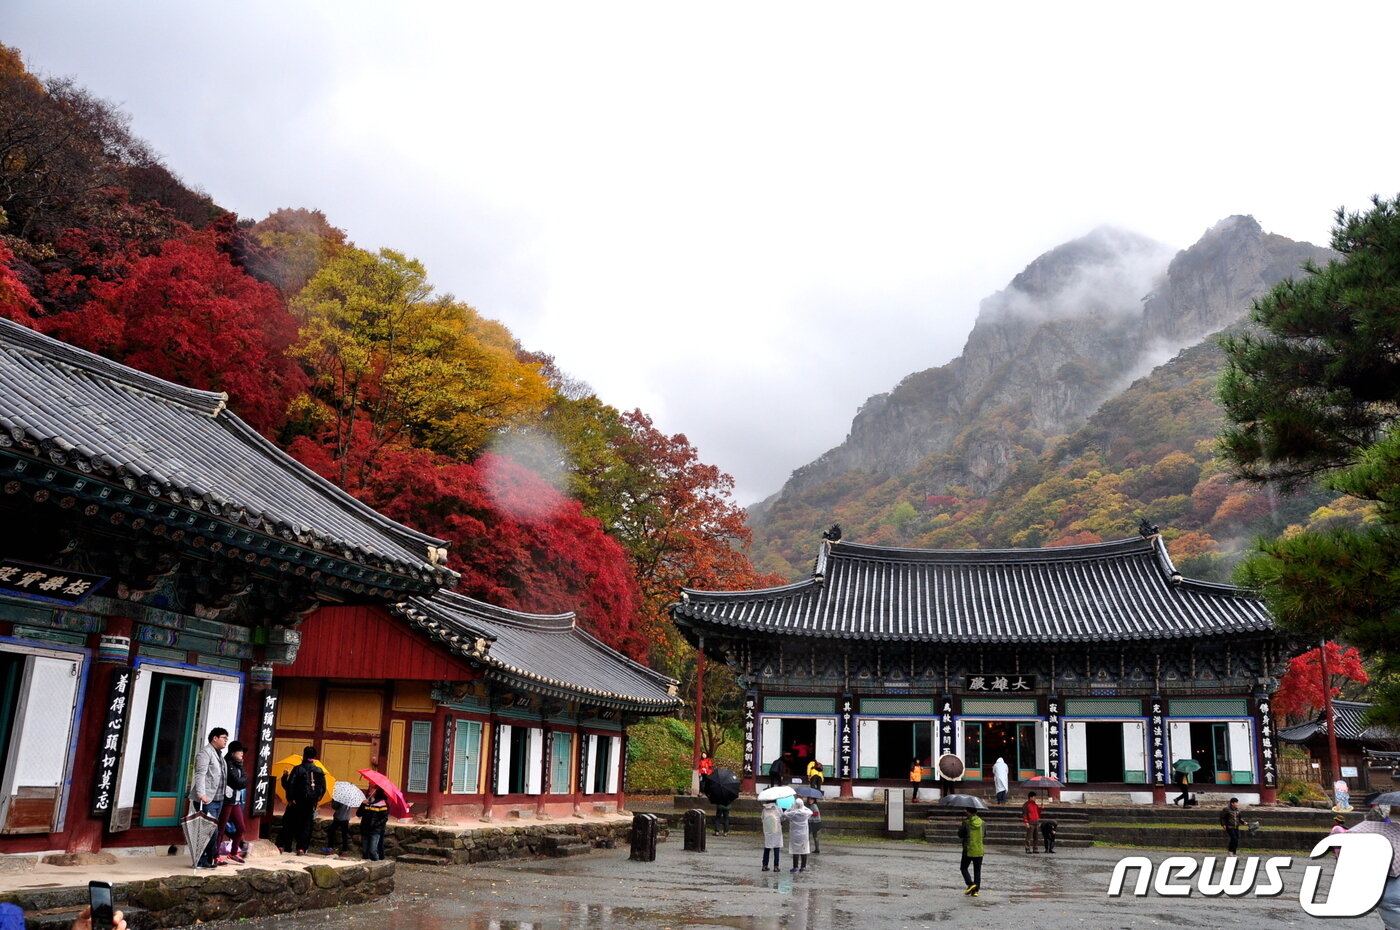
column 158, row 438
column 546, row 653
column 1113, row 591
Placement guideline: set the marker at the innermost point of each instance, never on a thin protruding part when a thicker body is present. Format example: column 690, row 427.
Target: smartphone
column 100, row 897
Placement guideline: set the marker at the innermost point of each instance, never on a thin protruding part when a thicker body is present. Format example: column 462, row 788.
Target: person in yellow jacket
column 916, row 776
column 815, row 774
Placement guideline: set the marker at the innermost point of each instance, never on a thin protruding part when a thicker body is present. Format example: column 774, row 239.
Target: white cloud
column 744, row 218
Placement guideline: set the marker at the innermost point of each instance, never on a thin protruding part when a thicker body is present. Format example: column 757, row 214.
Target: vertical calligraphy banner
column 847, row 734
column 449, row 732
column 750, row 713
column 260, row 801
column 1268, row 774
column 113, row 730
column 1052, row 726
column 1159, row 744
column 945, row 727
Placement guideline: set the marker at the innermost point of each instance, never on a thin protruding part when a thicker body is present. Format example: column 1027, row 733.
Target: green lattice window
column 897, row 706
column 797, row 705
column 1102, row 707
column 1004, row 707
column 1209, row 707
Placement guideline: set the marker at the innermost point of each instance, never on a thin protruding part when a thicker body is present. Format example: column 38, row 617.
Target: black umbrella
column 806, row 791
column 722, row 787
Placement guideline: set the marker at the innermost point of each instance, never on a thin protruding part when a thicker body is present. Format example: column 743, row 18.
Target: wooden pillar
column 489, row 795
column 440, row 776
column 699, row 718
column 249, row 730
column 83, row 831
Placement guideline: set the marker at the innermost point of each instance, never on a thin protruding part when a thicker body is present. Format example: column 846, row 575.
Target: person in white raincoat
column 1001, row 774
column 799, row 837
column 772, row 820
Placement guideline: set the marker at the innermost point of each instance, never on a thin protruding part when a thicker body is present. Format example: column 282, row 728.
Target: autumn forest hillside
column 354, row 362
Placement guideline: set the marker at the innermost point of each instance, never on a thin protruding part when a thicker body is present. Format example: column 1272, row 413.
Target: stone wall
column 183, row 900
column 445, row 844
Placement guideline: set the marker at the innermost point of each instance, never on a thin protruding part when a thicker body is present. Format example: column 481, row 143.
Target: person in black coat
column 231, row 818
column 304, row 785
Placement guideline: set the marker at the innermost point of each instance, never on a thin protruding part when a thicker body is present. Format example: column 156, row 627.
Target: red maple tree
column 1300, row 692
column 188, row 314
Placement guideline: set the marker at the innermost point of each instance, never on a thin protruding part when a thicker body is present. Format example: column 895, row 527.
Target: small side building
column 1359, row 746
column 1099, row 665
column 474, row 710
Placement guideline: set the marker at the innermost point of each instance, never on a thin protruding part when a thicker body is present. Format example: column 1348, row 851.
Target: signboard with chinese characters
column 1266, row 744
column 260, row 800
column 1052, row 729
column 1159, row 755
column 45, row 583
column 843, row 768
column 105, row 790
column 998, row 684
column 750, row 709
column 945, row 728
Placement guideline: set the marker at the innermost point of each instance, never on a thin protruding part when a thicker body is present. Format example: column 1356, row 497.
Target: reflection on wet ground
column 856, row 886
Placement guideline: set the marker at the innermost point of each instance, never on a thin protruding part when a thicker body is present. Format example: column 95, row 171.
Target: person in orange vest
column 916, row 776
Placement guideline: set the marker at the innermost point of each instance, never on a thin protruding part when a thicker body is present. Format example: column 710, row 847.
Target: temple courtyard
column 860, row 885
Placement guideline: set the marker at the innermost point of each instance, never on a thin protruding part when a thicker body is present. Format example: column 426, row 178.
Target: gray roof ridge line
column 780, row 589
column 1084, row 552
column 508, row 615
column 404, row 534
column 24, row 339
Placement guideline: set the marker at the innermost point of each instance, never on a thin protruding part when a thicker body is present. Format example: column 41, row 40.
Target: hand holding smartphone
column 100, row 900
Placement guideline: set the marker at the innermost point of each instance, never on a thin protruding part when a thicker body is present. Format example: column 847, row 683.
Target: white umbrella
column 774, row 793
column 347, row 794
column 963, row 800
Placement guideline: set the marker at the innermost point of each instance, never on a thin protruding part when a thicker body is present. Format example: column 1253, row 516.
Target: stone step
column 425, row 849
column 420, row 859
column 569, row 849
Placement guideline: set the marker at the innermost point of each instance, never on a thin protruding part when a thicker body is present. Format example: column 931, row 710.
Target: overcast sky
column 745, row 218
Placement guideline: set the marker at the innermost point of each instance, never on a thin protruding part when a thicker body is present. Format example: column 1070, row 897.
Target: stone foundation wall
column 433, row 844
column 183, row 900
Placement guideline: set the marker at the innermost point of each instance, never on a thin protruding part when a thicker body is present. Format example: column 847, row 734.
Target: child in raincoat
column 799, row 836
column 772, row 820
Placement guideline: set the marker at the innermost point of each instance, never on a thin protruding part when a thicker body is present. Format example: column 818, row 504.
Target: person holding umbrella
column 304, row 786
column 973, row 836
column 374, row 820
column 208, row 791
column 799, row 836
column 1183, row 769
column 722, row 788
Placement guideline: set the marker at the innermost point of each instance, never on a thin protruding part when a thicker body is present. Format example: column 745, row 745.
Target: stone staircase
column 1281, row 829
column 1003, row 827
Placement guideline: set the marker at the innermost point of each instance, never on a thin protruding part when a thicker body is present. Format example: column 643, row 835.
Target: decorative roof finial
column 1147, row 530
column 833, row 534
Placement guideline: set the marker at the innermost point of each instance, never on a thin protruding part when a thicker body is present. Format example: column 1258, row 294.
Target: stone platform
column 163, row 891
column 466, row 842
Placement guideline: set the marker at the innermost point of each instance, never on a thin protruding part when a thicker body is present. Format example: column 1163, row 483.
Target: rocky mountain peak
column 1070, row 331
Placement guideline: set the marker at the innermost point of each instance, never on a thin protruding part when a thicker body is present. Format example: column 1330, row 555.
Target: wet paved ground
column 850, row 886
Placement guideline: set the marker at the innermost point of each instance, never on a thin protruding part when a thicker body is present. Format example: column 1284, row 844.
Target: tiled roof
column 1113, row 591
column 1350, row 717
column 548, row 654
column 67, row 407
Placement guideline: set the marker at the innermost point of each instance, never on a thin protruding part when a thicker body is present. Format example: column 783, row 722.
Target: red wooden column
column 440, row 775
column 249, row 734
column 489, row 795
column 84, row 831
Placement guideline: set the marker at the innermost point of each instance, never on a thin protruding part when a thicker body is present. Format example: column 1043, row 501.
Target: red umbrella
column 398, row 804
